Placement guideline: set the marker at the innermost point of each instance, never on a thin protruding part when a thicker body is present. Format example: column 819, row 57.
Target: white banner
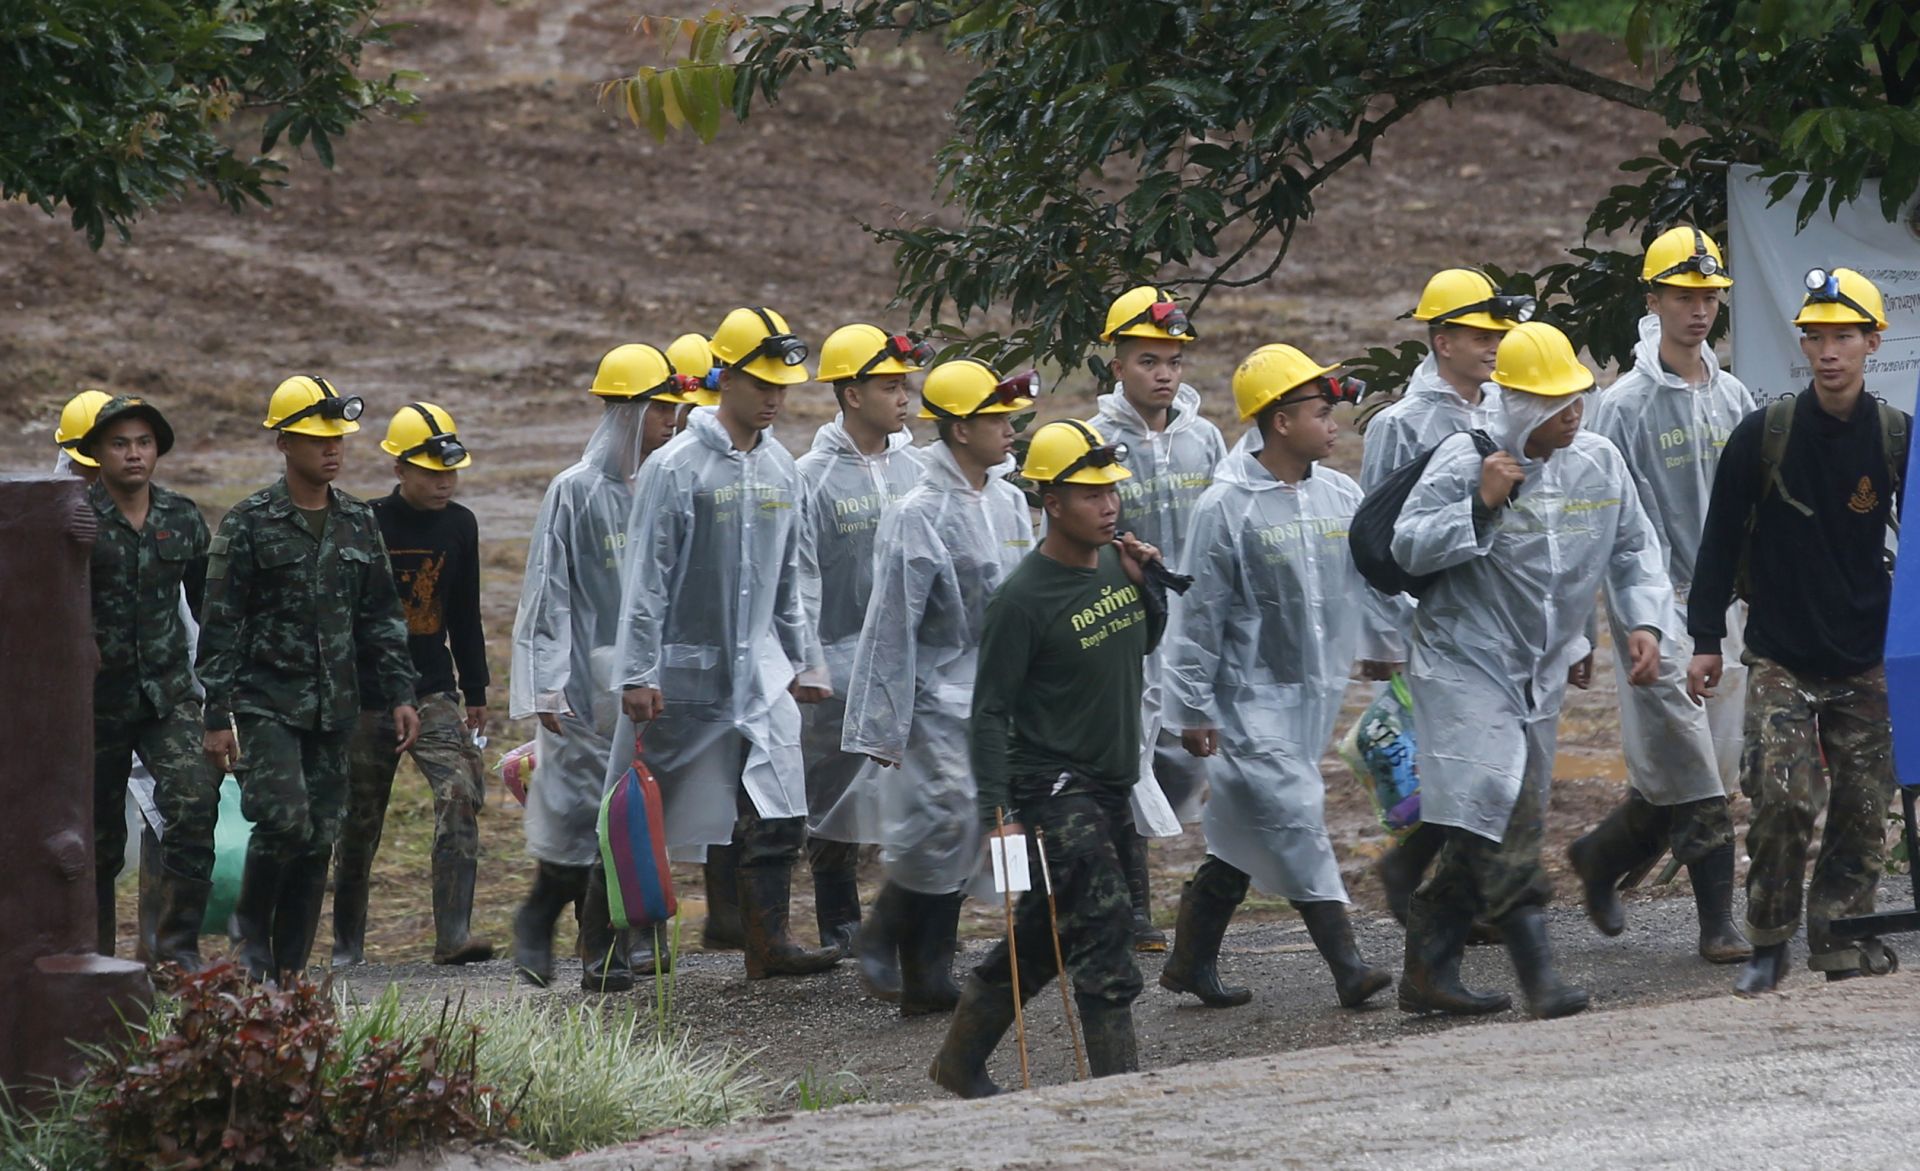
column 1769, row 262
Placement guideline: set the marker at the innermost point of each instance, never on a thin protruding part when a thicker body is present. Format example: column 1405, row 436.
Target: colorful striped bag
column 633, row 848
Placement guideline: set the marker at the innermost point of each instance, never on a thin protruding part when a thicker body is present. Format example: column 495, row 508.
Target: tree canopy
column 1109, row 142
column 109, row 107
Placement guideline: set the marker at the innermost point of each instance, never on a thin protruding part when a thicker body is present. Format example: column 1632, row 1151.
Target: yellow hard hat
column 1268, row 373
column 691, row 357
column 307, row 404
column 966, row 387
column 1537, row 358
column 757, row 341
column 865, row 351
column 1686, row 258
column 1073, row 452
column 76, row 419
column 1466, row 297
column 1841, row 297
column 1147, row 312
column 423, row 435
column 636, row 371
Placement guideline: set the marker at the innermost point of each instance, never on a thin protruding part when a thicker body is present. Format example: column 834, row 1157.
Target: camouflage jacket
column 137, row 575
column 288, row 616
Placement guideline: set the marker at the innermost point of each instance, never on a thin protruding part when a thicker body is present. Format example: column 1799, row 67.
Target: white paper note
column 1010, row 873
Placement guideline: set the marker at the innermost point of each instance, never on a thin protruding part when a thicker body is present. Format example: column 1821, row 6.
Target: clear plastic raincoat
column 1261, row 650
column 711, row 614
column 941, row 553
column 1671, row 435
column 1493, row 638
column 563, row 635
column 844, row 492
column 1171, row 468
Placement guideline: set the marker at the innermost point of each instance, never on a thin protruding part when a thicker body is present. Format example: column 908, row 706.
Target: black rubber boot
column 771, row 949
column 1721, row 941
column 1403, row 867
column 296, row 915
column 106, row 922
column 1548, row 996
column 1108, row 1029
column 724, row 929
column 349, row 920
column 176, row 934
column 1354, row 980
column 1600, row 859
column 453, row 883
column 1430, row 981
column 877, row 946
column 1133, row 860
column 152, row 893
column 1764, row 970
column 605, row 966
column 253, row 911
column 651, row 951
column 927, row 949
column 984, row 1015
column 1206, row 907
column 836, row 891
column 555, row 888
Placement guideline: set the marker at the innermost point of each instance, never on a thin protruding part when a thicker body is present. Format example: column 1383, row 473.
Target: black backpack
column 1370, row 534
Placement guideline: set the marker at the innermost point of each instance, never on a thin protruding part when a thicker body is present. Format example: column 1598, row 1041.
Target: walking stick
column 1059, row 962
column 1013, row 953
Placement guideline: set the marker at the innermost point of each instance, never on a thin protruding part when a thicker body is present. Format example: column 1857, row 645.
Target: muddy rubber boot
column 724, row 930
column 1403, row 867
column 1133, row 860
column 1548, row 996
column 650, row 953
column 1430, row 981
column 1108, row 1029
column 106, row 923
column 253, row 910
column 555, row 888
column 1600, row 859
column 927, row 949
column 836, row 891
column 1721, row 941
column 453, row 943
column 1763, row 970
column 176, row 934
column 606, row 966
column 878, row 943
column 771, row 949
column 1206, row 907
column 296, row 915
column 984, row 1015
column 1354, row 980
column 349, row 921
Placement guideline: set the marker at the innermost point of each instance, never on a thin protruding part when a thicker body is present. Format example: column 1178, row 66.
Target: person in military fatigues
column 298, row 588
column 152, row 544
column 1804, row 494
column 1055, row 740
column 433, row 545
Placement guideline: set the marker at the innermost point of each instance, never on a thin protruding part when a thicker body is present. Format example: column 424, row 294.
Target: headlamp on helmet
column 1162, row 315
column 1823, row 288
column 900, row 347
column 443, row 446
column 329, row 406
column 1516, row 308
column 779, row 345
column 1104, row 455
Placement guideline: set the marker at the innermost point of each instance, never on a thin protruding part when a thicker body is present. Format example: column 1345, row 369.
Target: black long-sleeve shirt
column 436, row 568
column 1819, row 584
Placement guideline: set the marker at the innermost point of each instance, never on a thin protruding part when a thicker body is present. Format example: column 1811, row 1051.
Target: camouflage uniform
column 143, row 695
column 444, row 754
column 1791, row 720
column 287, row 616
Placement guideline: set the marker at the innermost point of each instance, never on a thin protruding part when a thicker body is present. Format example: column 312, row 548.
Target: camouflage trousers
column 444, row 754
column 1090, row 889
column 1691, row 829
column 186, row 789
column 293, row 785
column 1791, row 720
column 1493, row 879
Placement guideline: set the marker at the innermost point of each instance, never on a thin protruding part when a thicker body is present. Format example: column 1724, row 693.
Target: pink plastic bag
column 516, row 769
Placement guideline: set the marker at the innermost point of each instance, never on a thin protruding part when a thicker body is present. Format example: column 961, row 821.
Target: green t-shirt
column 316, row 520
column 1060, row 676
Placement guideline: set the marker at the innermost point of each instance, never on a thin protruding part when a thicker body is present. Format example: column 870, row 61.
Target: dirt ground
column 485, row 255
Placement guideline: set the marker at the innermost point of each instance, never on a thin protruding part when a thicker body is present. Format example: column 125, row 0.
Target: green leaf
column 241, row 31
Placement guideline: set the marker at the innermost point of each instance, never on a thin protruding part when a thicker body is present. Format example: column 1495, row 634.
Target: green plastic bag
column 230, row 837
